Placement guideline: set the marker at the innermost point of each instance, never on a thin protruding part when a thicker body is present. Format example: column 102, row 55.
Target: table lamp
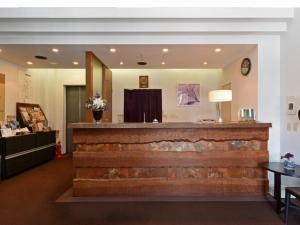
column 220, row 96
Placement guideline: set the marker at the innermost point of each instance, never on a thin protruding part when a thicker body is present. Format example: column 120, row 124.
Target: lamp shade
column 220, row 96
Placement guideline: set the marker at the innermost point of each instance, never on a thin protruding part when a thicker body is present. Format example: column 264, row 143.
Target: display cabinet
column 19, row 153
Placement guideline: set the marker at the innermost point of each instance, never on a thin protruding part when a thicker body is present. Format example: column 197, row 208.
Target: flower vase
column 289, row 164
column 97, row 115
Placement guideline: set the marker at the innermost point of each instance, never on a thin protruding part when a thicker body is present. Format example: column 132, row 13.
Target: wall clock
column 245, row 66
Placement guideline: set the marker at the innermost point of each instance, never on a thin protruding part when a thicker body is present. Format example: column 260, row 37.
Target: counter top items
column 171, row 125
column 246, row 115
column 97, row 104
column 6, row 132
column 220, row 96
column 31, row 115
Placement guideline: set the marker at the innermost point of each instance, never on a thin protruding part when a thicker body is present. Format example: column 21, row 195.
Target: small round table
column 278, row 169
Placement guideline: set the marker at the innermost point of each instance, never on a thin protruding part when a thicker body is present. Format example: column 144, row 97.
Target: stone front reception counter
column 170, row 159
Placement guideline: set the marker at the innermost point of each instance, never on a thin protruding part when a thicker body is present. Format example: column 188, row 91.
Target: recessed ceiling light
column 205, row 63
column 75, row 63
column 163, row 63
column 121, row 63
column 218, row 50
column 165, row 50
column 112, row 50
column 29, row 63
column 55, row 50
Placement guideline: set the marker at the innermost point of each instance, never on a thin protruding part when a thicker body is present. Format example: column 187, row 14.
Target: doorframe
column 64, row 131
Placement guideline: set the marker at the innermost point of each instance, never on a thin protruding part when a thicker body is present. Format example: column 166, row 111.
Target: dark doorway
column 75, row 111
column 142, row 105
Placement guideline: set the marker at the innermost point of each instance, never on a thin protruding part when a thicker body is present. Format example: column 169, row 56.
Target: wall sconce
column 220, row 96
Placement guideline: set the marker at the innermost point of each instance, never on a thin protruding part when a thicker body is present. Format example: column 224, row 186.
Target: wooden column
column 106, row 89
column 89, row 83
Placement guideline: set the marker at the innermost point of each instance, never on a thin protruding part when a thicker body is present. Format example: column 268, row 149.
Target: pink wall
column 244, row 88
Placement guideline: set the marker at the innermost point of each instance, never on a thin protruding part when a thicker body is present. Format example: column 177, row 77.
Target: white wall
column 49, row 92
column 244, row 88
column 290, row 86
column 167, row 79
column 14, row 80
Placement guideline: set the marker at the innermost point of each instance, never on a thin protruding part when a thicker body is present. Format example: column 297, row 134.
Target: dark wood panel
column 164, row 187
column 170, row 159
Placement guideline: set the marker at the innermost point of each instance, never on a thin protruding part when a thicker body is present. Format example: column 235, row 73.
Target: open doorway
column 75, row 111
column 142, row 105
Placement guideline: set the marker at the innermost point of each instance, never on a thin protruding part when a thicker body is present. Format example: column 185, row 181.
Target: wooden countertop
column 188, row 125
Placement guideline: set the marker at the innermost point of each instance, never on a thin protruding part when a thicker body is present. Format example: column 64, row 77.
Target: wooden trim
column 165, row 187
column 93, row 136
column 244, row 158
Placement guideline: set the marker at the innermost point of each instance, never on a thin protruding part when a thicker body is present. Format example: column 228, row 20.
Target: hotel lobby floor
column 29, row 199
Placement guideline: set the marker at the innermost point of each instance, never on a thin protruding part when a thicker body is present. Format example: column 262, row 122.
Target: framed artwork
column 291, row 110
column 188, row 94
column 143, row 81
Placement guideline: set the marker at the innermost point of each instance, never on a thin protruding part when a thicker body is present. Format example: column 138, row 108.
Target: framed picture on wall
column 143, row 81
column 188, row 94
column 291, row 110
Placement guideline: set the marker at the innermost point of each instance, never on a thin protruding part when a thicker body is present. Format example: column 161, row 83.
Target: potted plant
column 97, row 104
column 288, row 163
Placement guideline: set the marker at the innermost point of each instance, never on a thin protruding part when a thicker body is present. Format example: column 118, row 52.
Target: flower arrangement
column 287, row 156
column 96, row 103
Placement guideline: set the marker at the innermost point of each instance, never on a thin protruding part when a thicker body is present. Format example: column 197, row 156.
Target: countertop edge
column 186, row 125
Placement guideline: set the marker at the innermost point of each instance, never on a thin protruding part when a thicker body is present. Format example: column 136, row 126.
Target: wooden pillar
column 92, row 63
column 88, row 83
column 107, row 93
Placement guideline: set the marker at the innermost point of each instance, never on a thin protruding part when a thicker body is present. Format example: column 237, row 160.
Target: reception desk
column 170, row 159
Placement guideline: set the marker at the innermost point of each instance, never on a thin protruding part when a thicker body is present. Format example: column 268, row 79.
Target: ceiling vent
column 41, row 57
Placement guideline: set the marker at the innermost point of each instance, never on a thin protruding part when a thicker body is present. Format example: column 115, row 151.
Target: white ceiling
column 179, row 56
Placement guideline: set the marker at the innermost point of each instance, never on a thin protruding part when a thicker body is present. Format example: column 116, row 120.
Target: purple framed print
column 188, row 94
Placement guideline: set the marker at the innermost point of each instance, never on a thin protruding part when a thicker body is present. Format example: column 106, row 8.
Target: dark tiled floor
column 29, row 199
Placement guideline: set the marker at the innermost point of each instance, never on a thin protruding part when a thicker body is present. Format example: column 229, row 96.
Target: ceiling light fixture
column 52, row 63
column 205, row 63
column 218, row 50
column 165, row 50
column 163, row 63
column 113, row 50
column 29, row 63
column 75, row 63
column 141, row 62
column 55, row 50
column 121, row 63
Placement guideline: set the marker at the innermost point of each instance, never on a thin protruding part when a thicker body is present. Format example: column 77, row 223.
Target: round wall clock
column 246, row 66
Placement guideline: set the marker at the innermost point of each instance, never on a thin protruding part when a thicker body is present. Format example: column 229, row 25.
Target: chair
column 295, row 191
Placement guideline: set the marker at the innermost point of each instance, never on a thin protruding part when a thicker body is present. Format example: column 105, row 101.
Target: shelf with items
column 32, row 116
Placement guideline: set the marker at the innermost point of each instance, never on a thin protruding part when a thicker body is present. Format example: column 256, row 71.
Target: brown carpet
column 29, row 199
